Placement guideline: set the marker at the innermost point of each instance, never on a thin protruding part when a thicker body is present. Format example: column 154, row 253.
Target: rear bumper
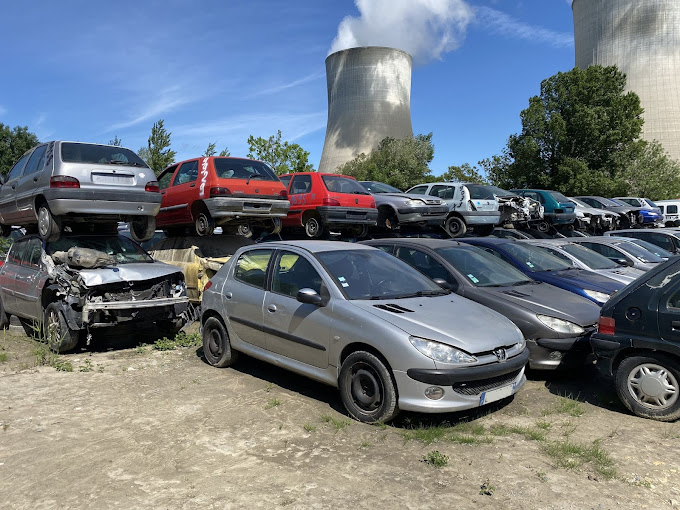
column 234, row 207
column 331, row 215
column 606, row 350
column 481, row 217
column 76, row 202
column 429, row 215
column 560, row 218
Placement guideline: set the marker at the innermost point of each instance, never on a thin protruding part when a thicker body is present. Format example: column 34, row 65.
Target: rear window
column 99, row 154
column 482, row 192
column 339, row 184
column 559, row 197
column 234, row 168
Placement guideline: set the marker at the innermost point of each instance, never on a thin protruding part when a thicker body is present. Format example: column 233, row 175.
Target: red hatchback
column 235, row 193
column 321, row 201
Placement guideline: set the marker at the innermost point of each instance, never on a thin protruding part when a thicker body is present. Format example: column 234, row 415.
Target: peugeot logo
column 501, row 355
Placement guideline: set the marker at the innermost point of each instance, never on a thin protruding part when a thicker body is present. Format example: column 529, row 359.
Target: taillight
column 152, row 186
column 207, row 286
column 220, row 192
column 283, row 194
column 372, row 204
column 330, row 201
column 606, row 326
column 63, row 181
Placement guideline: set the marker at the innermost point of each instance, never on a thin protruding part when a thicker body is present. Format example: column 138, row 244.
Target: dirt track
column 141, row 428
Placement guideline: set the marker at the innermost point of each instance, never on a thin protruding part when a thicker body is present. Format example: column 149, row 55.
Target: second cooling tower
column 369, row 98
column 642, row 38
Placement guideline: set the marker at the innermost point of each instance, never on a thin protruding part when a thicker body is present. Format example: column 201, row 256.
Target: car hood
column 126, row 273
column 545, row 299
column 624, row 209
column 449, row 319
column 394, row 198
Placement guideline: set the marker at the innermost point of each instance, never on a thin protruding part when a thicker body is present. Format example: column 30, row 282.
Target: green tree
column 401, row 163
column 143, row 153
column 160, row 155
column 224, row 153
column 653, row 174
column 464, row 173
column 283, row 157
column 13, row 143
column 577, row 136
column 116, row 141
column 210, row 150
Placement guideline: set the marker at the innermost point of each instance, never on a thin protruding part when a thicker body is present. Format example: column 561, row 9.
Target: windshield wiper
column 523, row 282
column 253, row 176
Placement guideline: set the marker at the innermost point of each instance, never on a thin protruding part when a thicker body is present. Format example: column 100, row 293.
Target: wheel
column 649, row 386
column 4, row 318
column 358, row 231
column 484, row 230
column 455, row 226
column 142, row 228
column 49, row 226
column 276, row 228
column 60, row 338
column 313, row 226
column 367, row 389
column 387, row 218
column 205, row 224
column 244, row 230
column 543, row 226
column 216, row 346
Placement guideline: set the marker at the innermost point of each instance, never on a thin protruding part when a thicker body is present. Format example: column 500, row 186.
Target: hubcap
column 312, row 227
column 653, row 386
column 202, row 224
column 43, row 221
column 366, row 388
column 454, row 227
column 214, row 343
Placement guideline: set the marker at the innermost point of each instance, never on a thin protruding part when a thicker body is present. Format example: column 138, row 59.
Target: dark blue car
column 540, row 265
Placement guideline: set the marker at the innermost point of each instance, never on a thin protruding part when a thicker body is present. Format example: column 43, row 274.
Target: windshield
column 590, row 258
column 235, row 168
column 124, row 250
column 482, row 268
column 379, row 187
column 535, row 258
column 610, row 203
column 619, row 203
column 371, row 274
column 339, row 184
column 650, row 203
column 653, row 248
column 99, row 154
column 639, row 252
column 559, row 197
column 484, row 192
column 578, row 202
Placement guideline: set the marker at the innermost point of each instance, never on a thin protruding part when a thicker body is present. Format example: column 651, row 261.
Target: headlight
column 440, row 352
column 520, row 345
column 560, row 325
column 600, row 297
column 413, row 203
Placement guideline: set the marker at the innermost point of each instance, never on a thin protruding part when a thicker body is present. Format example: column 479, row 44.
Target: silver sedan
column 360, row 320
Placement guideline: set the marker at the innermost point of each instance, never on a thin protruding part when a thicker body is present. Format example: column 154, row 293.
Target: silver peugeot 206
column 358, row 319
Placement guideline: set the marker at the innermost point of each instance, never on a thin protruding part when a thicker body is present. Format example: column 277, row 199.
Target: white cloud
column 289, row 85
column 153, row 104
column 424, row 28
column 501, row 23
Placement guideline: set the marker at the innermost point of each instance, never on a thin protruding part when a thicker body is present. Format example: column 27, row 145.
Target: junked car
column 396, row 208
column 651, row 214
column 558, row 211
column 81, row 282
column 628, row 215
column 667, row 238
column 592, row 219
column 335, row 312
column 622, row 251
column 555, row 323
column 60, row 183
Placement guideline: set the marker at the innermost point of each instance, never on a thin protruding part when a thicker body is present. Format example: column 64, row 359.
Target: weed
column 100, row 369
column 87, row 367
column 181, row 339
column 436, row 459
column 140, row 349
column 269, row 387
column 486, row 489
column 3, row 357
column 365, row 444
column 566, row 406
column 273, row 402
column 383, row 437
column 309, row 427
column 640, row 482
column 670, row 432
column 63, row 366
column 543, row 425
column 44, row 356
column 380, row 425
column 542, row 476
column 573, row 455
column 164, row 344
column 280, row 426
column 337, row 424
column 569, row 428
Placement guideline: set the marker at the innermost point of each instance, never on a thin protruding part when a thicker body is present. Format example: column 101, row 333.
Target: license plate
column 671, row 217
column 493, row 395
column 112, row 179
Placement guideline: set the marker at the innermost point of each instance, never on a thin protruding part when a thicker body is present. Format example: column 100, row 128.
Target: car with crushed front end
column 61, row 183
column 628, row 215
column 638, row 343
column 336, row 313
column 558, row 210
column 68, row 287
column 555, row 323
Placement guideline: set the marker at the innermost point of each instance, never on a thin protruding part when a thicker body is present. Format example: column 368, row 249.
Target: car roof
column 420, row 241
column 492, row 240
column 314, row 246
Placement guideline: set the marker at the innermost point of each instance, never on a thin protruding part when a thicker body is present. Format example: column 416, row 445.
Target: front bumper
column 161, row 308
column 557, row 353
column 235, row 207
column 481, row 217
column 560, row 218
column 332, row 215
column 428, row 215
column 78, row 202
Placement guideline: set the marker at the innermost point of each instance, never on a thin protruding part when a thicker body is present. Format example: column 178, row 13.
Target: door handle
column 228, row 295
column 192, row 185
column 271, row 308
column 35, row 179
column 675, row 325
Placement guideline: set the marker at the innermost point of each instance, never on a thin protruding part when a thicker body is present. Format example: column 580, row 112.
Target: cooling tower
column 369, row 98
column 642, row 38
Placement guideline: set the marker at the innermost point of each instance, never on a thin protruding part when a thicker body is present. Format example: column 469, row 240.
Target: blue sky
column 218, row 71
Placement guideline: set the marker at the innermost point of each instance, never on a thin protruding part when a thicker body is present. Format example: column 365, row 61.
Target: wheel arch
column 306, row 215
column 633, row 351
column 197, row 207
column 37, row 202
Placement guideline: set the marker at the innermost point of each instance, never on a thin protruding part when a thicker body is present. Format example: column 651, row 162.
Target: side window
column 443, row 192
column 674, row 301
column 418, row 190
column 423, row 263
column 560, row 256
column 36, row 161
column 294, row 272
column 16, row 169
column 384, row 247
column 661, row 240
column 188, row 172
column 661, row 208
column 165, row 178
column 251, row 267
column 31, row 255
column 672, row 209
column 591, row 203
column 286, row 180
column 16, row 252
column 301, row 184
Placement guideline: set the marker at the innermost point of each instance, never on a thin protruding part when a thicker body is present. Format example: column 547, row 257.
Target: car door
column 26, row 186
column 447, row 192
column 181, row 194
column 8, row 201
column 244, row 292
column 299, row 331
column 29, row 280
column 300, row 197
column 610, row 252
column 8, row 273
column 668, row 316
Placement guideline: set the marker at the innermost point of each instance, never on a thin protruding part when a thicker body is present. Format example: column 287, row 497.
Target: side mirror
column 442, row 283
column 310, row 297
column 623, row 262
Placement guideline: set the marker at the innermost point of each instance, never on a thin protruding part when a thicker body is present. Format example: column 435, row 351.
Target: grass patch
column 3, row 357
column 462, row 433
column 87, row 367
column 335, row 423
column 528, row 433
column 571, row 455
column 309, row 427
column 181, row 339
column 543, row 425
column 566, row 406
column 273, row 402
column 436, row 459
column 486, row 489
column 364, row 444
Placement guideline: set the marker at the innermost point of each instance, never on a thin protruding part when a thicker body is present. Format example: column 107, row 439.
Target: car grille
column 477, row 387
column 432, row 202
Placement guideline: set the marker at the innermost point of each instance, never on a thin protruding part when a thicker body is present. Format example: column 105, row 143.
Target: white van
column 671, row 212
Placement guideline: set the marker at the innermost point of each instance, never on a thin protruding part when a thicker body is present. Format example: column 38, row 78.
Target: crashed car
column 515, row 210
column 592, row 219
column 66, row 287
column 628, row 215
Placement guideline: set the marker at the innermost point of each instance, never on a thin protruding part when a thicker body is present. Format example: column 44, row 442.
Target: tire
column 244, row 230
column 484, row 230
column 142, row 228
column 358, row 231
column 313, row 226
column 367, row 389
column 4, row 318
column 49, row 226
column 387, row 219
column 204, row 224
column 216, row 345
column 649, row 386
column 543, row 226
column 60, row 338
column 455, row 226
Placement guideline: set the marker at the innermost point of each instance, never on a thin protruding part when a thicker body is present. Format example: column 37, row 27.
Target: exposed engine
column 519, row 210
